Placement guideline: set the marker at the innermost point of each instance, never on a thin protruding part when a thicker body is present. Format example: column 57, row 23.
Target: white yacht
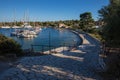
column 6, row 27
column 27, row 31
column 15, row 27
column 27, row 34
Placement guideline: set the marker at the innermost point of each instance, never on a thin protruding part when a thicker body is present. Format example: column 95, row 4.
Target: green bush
column 9, row 46
column 113, row 67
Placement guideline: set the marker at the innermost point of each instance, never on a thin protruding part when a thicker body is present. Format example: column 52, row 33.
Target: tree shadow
column 53, row 67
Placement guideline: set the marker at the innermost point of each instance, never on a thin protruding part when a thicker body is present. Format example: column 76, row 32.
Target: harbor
column 45, row 36
column 59, row 40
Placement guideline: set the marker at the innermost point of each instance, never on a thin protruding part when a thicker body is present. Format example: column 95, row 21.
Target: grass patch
column 96, row 35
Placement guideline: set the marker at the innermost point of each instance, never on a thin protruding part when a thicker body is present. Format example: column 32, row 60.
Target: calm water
column 46, row 36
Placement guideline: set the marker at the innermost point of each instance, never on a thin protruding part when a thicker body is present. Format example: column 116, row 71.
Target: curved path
column 80, row 64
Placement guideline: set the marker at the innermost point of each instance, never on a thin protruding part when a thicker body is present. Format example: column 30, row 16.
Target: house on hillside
column 62, row 25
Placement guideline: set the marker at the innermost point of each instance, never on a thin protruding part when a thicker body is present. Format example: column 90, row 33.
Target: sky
column 48, row 10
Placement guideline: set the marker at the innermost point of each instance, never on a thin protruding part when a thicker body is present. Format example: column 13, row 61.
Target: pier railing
column 48, row 49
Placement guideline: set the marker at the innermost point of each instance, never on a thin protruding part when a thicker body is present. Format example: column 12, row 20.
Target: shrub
column 9, row 46
column 113, row 67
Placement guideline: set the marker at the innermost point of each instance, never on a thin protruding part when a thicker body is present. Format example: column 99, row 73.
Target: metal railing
column 48, row 49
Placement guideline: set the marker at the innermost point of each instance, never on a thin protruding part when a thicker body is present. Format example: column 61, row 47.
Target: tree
column 111, row 17
column 110, row 14
column 86, row 21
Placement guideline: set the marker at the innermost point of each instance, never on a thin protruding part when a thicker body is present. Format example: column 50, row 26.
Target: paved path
column 80, row 64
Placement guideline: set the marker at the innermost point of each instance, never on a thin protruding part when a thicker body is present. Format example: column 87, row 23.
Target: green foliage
column 71, row 23
column 113, row 68
column 19, row 23
column 86, row 21
column 8, row 45
column 96, row 35
column 111, row 16
column 74, row 24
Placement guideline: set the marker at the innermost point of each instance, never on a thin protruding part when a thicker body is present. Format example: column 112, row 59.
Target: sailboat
column 14, row 26
column 27, row 31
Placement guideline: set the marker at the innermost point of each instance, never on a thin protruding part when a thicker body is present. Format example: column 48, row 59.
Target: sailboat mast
column 27, row 17
column 14, row 18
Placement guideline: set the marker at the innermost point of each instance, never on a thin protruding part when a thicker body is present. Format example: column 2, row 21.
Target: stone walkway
column 80, row 64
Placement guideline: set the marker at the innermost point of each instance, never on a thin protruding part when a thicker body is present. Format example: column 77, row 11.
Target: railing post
column 32, row 48
column 63, row 47
column 42, row 48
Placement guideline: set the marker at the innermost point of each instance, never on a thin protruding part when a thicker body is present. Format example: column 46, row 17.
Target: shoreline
column 78, row 34
column 67, row 48
column 61, row 48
